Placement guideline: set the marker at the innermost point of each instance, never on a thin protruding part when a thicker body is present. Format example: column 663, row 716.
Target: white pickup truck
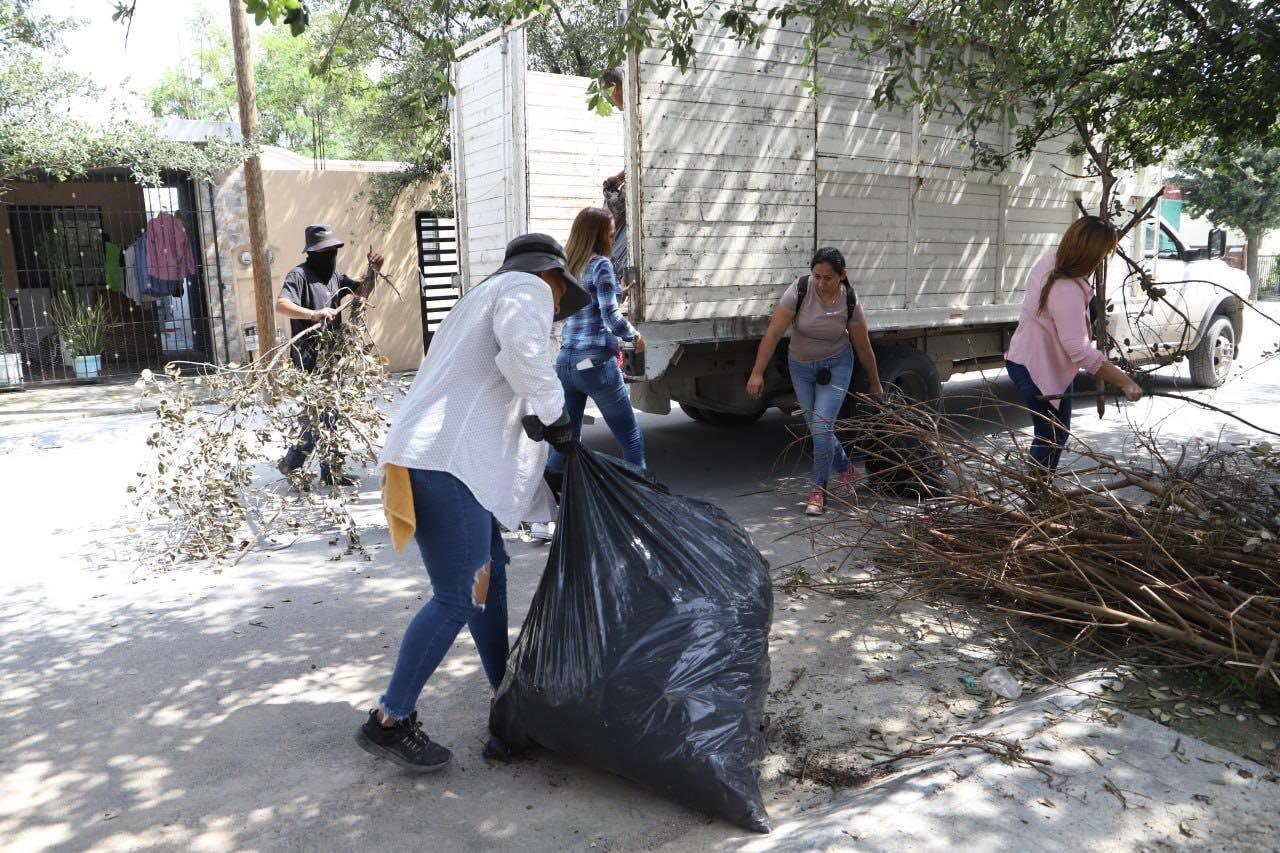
column 737, row 171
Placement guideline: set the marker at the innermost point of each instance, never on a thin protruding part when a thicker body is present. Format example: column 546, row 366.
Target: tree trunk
column 262, row 289
column 1254, row 241
column 1100, row 329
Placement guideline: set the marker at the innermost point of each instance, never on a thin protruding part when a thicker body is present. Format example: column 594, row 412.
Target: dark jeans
column 458, row 539
column 603, row 383
column 1052, row 424
column 297, row 455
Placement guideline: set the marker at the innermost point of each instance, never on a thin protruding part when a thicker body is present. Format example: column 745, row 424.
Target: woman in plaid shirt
column 588, row 361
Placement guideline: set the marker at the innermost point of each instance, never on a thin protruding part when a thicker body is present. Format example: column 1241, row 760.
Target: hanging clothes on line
column 113, row 266
column 169, row 258
column 137, row 286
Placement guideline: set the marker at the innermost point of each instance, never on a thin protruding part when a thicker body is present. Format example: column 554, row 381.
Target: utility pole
column 262, row 285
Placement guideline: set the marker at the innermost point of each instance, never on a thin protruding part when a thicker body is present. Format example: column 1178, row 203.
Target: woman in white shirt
column 470, row 467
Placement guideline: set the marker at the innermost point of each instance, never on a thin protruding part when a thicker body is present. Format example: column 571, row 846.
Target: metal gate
column 136, row 255
column 438, row 273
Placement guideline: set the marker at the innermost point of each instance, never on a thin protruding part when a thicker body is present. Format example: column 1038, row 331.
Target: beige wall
column 298, row 198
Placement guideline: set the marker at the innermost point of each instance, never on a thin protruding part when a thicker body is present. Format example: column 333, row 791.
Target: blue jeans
column 603, row 383
column 458, row 539
column 1052, row 425
column 821, row 404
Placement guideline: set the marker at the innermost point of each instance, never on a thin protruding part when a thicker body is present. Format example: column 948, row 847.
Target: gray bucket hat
column 321, row 237
column 535, row 253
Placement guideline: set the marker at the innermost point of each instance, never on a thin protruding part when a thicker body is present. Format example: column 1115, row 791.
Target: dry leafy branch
column 211, row 483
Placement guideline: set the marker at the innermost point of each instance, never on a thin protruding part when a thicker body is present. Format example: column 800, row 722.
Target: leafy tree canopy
column 1240, row 190
column 412, row 42
column 41, row 134
column 310, row 114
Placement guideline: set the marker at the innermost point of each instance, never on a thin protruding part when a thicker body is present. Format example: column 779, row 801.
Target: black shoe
column 405, row 743
column 328, row 478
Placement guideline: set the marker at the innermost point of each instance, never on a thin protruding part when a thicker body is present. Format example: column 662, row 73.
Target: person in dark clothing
column 311, row 295
column 615, row 198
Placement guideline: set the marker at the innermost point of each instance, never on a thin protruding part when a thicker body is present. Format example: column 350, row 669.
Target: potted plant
column 81, row 328
column 10, row 355
column 52, row 255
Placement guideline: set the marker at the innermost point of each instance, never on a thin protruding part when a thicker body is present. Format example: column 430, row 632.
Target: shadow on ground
column 204, row 711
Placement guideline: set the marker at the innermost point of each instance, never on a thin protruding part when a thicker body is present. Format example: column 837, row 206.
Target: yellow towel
column 397, row 504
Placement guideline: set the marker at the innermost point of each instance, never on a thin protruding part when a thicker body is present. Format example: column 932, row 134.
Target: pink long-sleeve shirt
column 169, row 254
column 1054, row 345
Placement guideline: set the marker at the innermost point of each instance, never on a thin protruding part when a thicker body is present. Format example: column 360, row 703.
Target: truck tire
column 731, row 419
column 908, row 370
column 1211, row 360
column 694, row 413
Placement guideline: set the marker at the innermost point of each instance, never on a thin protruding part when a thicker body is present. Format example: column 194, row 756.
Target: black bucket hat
column 535, row 253
column 321, row 237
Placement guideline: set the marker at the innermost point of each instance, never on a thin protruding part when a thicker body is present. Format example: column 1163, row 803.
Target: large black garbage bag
column 646, row 649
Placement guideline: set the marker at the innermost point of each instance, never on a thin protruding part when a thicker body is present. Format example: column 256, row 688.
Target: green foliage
column 39, row 135
column 1241, row 190
column 81, row 326
column 411, row 43
column 1130, row 82
column 51, row 255
column 298, row 110
column 574, row 37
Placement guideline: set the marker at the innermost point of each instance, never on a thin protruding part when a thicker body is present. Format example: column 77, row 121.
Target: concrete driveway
column 214, row 710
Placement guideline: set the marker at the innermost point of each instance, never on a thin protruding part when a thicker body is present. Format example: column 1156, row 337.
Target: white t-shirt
column 489, row 365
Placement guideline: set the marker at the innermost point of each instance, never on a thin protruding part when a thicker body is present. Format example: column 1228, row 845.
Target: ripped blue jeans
column 461, row 545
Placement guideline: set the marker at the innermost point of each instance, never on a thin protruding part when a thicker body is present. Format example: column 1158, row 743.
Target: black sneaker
column 331, row 479
column 405, row 743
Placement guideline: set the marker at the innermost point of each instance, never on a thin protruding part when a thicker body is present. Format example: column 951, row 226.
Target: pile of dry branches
column 1181, row 550
column 210, row 480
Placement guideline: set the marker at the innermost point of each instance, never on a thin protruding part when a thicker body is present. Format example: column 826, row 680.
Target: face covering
column 322, row 264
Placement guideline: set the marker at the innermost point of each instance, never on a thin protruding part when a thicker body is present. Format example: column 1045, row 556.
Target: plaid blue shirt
column 600, row 324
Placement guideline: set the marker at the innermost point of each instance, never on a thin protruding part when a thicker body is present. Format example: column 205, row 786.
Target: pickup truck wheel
column 1212, row 359
column 694, row 413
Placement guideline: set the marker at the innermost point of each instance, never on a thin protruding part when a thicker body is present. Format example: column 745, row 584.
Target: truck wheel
column 909, row 371
column 1211, row 361
column 732, row 419
column 694, row 413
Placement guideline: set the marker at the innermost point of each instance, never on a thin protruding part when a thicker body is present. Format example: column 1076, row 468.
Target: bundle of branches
column 1180, row 550
column 220, row 431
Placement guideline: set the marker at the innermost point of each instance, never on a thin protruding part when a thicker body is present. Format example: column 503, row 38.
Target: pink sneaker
column 817, row 503
column 848, row 482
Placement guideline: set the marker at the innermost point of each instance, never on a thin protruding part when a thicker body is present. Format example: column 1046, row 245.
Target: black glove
column 554, row 481
column 559, row 434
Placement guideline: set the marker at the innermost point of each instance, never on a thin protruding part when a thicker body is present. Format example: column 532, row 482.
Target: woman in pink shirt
column 1054, row 341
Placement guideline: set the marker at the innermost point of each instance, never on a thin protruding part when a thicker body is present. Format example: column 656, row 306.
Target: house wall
column 121, row 202
column 296, row 198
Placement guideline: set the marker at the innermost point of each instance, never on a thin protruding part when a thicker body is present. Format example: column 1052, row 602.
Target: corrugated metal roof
column 189, row 130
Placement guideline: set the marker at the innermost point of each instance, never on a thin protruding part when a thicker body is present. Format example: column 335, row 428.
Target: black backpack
column 802, row 290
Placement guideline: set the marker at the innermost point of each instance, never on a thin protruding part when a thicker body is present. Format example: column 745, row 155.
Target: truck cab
column 1182, row 301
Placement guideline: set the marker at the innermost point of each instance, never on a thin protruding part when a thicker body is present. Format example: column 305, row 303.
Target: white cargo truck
column 737, row 172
